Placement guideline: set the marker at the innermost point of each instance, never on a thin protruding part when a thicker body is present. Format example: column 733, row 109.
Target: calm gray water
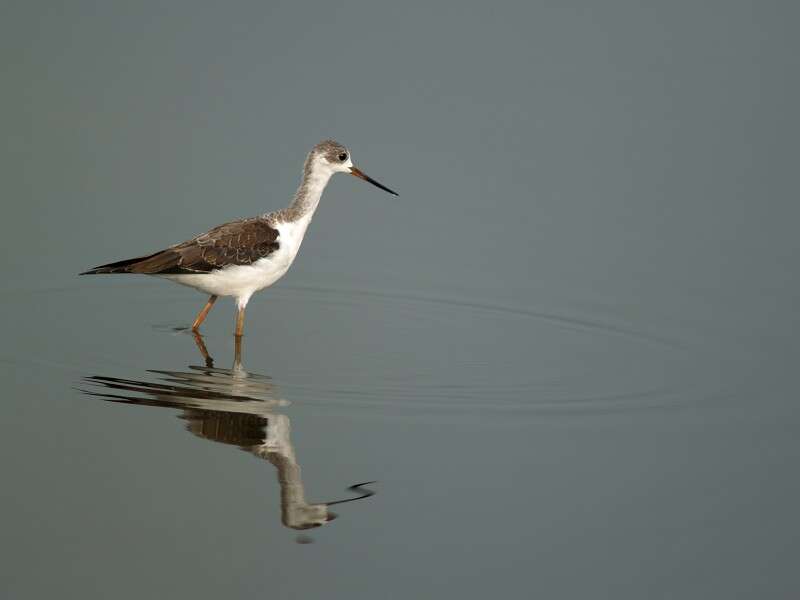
column 566, row 355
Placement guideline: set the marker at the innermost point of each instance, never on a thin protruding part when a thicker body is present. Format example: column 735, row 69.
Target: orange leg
column 237, row 352
column 198, row 339
column 201, row 316
column 240, row 321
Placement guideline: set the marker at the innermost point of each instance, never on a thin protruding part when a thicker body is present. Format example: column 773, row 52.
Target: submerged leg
column 237, row 353
column 201, row 316
column 198, row 339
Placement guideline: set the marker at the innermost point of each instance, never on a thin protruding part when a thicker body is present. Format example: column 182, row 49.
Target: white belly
column 242, row 281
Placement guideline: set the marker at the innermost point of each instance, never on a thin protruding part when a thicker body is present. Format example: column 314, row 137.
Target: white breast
column 242, row 281
column 290, row 236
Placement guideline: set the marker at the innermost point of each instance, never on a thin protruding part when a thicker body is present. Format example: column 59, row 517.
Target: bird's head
column 331, row 157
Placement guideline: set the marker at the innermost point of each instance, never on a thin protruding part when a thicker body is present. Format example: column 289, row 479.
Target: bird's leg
column 237, row 352
column 240, row 321
column 198, row 339
column 201, row 316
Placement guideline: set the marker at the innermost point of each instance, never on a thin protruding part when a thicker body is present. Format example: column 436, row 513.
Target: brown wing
column 238, row 429
column 235, row 243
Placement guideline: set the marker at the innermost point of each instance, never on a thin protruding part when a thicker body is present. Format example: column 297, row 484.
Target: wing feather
column 236, row 243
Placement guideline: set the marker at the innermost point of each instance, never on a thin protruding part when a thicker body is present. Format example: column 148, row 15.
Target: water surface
column 562, row 364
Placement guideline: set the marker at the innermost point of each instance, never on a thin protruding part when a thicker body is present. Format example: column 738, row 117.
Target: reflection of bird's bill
column 358, row 487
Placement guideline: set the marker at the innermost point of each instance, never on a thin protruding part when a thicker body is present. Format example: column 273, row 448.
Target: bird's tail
column 122, row 266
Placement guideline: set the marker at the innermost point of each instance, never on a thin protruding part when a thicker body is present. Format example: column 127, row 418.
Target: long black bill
column 360, row 174
column 358, row 488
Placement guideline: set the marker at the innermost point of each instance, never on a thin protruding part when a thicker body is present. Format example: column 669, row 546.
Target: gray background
column 567, row 351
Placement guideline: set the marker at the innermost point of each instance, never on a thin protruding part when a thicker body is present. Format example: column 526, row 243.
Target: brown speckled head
column 333, row 151
column 339, row 159
column 325, row 159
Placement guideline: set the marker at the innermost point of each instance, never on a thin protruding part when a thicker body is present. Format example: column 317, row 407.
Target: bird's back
column 241, row 242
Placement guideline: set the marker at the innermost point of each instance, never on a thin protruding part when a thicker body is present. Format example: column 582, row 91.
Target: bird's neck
column 306, row 198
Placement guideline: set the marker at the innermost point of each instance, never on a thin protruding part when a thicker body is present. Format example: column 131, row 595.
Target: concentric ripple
column 395, row 351
column 439, row 353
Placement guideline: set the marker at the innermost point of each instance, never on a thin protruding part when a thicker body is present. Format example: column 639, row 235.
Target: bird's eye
column 343, row 156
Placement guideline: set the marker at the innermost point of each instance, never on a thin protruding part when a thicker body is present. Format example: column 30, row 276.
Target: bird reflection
column 230, row 406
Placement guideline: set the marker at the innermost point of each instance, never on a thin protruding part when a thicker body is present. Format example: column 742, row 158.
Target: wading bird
column 242, row 257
